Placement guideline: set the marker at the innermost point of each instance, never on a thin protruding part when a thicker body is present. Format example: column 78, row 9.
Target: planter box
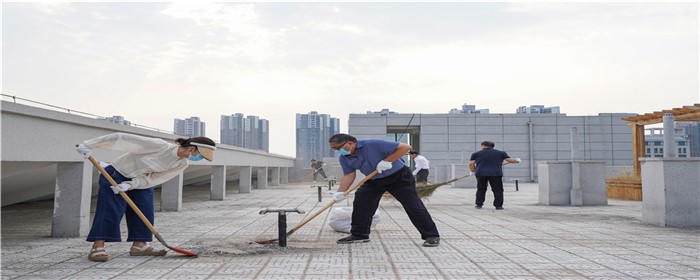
column 625, row 190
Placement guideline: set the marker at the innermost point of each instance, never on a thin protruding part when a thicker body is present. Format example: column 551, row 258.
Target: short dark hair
column 488, row 144
column 413, row 152
column 341, row 137
column 313, row 160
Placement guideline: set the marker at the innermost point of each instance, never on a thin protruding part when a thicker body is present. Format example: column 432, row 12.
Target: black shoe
column 352, row 239
column 477, row 207
column 431, row 242
column 499, row 208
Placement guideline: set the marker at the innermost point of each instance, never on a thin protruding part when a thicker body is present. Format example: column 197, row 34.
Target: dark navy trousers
column 111, row 207
column 496, row 183
column 402, row 186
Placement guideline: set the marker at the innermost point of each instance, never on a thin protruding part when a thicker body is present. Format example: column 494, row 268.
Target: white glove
column 383, row 165
column 120, row 188
column 83, row 150
column 518, row 159
column 471, row 173
column 338, row 196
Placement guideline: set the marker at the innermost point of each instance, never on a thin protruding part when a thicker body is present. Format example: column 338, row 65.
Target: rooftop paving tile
column 524, row 241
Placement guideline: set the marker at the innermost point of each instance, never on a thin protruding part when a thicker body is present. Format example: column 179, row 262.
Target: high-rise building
column 537, row 109
column 264, row 126
column 233, row 130
column 191, row 127
column 249, row 132
column 313, row 131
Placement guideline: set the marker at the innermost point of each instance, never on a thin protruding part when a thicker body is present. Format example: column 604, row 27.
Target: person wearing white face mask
column 393, row 176
column 147, row 163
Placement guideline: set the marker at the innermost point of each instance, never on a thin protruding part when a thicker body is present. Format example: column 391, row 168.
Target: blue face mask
column 343, row 152
column 196, row 158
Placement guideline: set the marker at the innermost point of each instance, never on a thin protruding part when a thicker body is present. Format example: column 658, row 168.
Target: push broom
column 138, row 212
column 322, row 209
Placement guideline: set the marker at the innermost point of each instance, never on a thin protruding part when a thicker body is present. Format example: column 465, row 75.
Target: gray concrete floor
column 524, row 241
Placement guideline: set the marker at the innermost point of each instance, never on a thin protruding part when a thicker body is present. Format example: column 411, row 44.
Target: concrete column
column 245, row 180
column 670, row 193
column 275, row 174
column 218, row 182
column 576, row 194
column 284, row 175
column 670, row 149
column 262, row 177
column 171, row 194
column 71, row 206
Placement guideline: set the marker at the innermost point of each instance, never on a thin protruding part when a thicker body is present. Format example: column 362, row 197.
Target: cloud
column 328, row 26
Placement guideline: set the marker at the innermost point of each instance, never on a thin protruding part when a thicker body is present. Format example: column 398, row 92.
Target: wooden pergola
column 685, row 114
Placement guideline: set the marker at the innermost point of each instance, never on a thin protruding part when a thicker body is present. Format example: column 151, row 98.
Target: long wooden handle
column 123, row 194
column 332, row 202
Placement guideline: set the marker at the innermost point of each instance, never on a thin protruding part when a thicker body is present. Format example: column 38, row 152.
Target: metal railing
column 70, row 111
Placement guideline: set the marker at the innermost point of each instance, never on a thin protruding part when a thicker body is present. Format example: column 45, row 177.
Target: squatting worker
column 147, row 162
column 422, row 167
column 487, row 165
column 393, row 176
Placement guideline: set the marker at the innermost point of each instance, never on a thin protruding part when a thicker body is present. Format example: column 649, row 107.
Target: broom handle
column 332, row 202
column 123, row 194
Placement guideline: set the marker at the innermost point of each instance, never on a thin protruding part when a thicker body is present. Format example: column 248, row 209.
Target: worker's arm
column 346, row 181
column 400, row 151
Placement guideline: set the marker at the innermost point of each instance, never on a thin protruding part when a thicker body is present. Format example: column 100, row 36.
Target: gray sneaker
column 431, row 242
column 352, row 239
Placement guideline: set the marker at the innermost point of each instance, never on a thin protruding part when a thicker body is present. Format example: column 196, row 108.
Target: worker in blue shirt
column 487, row 165
column 393, row 176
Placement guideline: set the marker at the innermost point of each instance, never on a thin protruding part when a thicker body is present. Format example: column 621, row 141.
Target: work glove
column 83, row 150
column 120, row 188
column 518, row 159
column 383, row 165
column 338, row 196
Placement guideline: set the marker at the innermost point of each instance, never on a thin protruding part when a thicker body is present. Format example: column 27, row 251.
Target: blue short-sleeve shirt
column 489, row 162
column 368, row 154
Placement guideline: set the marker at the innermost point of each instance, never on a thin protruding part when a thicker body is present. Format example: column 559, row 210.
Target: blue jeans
column 111, row 207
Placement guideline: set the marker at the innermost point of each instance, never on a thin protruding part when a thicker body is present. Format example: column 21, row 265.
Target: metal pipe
column 531, row 151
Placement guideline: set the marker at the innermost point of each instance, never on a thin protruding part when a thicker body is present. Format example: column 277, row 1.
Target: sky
column 154, row 62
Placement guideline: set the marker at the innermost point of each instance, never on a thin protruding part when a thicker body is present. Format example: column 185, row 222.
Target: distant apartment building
column 654, row 142
column 233, row 130
column 312, row 133
column 468, row 109
column 537, row 109
column 243, row 131
column 692, row 134
column 190, row 127
column 118, row 120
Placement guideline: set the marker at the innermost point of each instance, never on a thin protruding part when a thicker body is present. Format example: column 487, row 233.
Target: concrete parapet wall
column 671, row 191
